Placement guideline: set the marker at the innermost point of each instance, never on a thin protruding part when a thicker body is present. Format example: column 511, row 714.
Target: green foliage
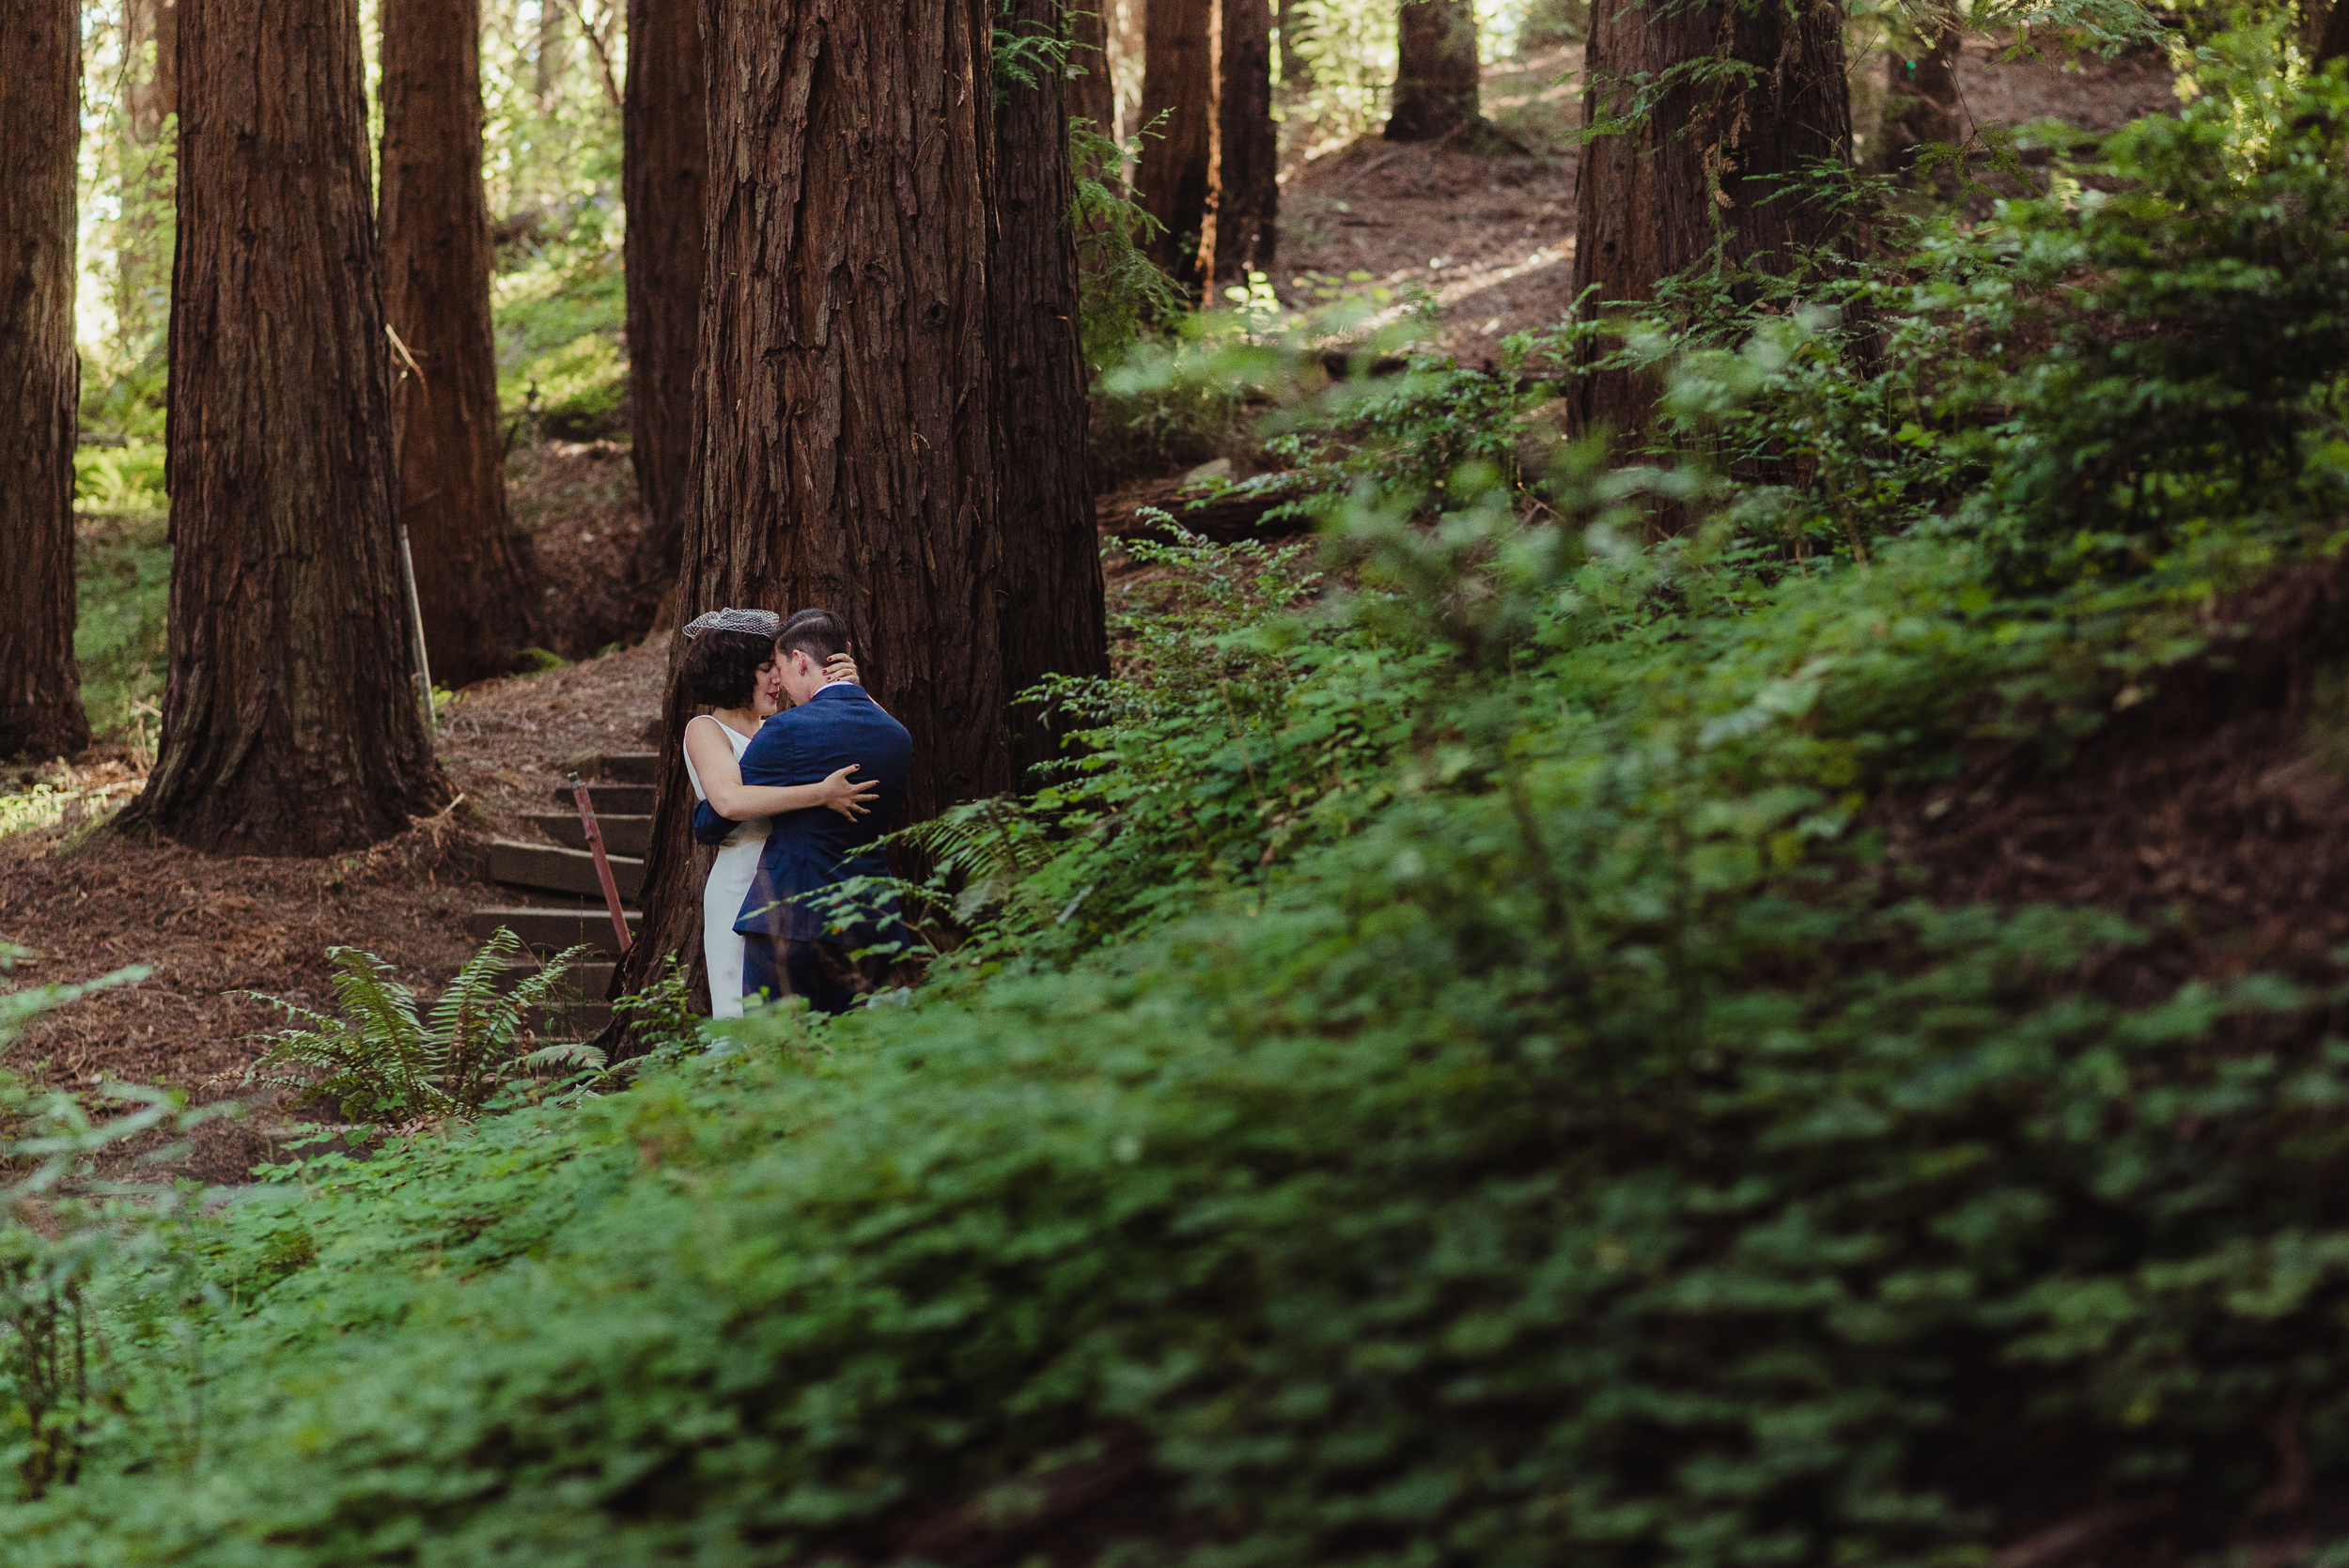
column 379, row 1062
column 573, row 393
column 1440, row 1073
column 2197, row 366
column 122, row 591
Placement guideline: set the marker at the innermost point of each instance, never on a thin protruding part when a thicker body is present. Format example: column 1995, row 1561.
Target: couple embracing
column 799, row 774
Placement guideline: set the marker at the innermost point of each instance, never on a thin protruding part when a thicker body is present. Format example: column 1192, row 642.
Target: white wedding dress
column 729, row 884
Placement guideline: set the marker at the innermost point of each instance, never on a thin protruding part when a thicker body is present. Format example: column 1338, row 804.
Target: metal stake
column 415, row 612
column 603, row 866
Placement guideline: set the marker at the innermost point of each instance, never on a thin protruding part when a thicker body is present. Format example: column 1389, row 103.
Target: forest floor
column 1489, row 238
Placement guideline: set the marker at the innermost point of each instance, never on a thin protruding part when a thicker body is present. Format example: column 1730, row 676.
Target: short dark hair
column 816, row 632
column 721, row 668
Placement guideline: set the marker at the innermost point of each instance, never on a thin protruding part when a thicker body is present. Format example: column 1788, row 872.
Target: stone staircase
column 559, row 903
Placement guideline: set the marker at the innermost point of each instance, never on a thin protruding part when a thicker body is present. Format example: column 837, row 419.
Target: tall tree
column 663, row 173
column 1295, row 26
column 1248, row 148
column 40, row 127
column 1921, row 93
column 151, row 91
column 1176, row 175
column 844, row 441
column 1722, row 166
column 140, row 233
column 1092, row 92
column 1434, row 76
column 436, row 297
column 290, row 724
column 1051, row 552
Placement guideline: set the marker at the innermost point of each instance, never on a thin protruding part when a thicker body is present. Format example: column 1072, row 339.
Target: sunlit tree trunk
column 1247, row 151
column 1177, row 159
column 151, row 92
column 664, row 172
column 1052, row 556
column 436, row 296
column 844, row 442
column 141, row 232
column 290, row 723
column 1700, row 179
column 548, row 87
column 1435, row 77
column 41, row 701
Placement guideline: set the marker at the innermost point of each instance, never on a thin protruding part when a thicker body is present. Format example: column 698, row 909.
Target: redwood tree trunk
column 1296, row 70
column 436, row 296
column 1702, row 169
column 844, row 440
column 1051, row 554
column 290, row 724
column 1092, row 93
column 41, row 134
column 1434, row 76
column 1178, row 83
column 1248, row 149
column 663, row 173
column 1920, row 84
column 152, row 94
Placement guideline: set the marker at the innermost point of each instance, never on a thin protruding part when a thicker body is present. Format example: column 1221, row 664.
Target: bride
column 730, row 668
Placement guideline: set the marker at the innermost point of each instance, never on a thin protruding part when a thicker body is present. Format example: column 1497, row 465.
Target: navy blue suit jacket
column 815, row 849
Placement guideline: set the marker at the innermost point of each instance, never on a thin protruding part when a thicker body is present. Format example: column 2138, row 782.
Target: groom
column 787, row 950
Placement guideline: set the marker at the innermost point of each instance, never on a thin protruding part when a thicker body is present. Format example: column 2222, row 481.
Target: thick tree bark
column 1092, row 93
column 436, row 297
column 41, row 134
column 1248, row 149
column 1052, row 556
column 843, row 443
column 291, row 723
column 1178, row 163
column 1435, row 77
column 664, row 174
column 1702, row 178
column 2333, row 43
column 152, row 93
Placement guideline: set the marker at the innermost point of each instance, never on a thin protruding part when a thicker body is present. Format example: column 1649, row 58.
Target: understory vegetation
column 1449, row 1070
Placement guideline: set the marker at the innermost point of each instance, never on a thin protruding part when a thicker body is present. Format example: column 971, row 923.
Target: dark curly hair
column 721, row 668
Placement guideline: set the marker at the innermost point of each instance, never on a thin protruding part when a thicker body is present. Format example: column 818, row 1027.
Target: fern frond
column 995, row 839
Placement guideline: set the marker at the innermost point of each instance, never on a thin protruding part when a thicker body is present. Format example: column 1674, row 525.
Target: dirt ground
column 1490, row 235
column 2212, row 814
column 211, row 929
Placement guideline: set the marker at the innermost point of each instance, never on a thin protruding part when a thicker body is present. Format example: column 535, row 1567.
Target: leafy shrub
column 1432, row 1082
column 574, row 392
column 122, row 591
column 2195, row 372
column 379, row 1061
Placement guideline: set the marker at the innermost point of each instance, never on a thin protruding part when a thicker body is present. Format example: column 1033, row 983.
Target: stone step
column 622, row 835
column 549, row 868
column 590, row 976
column 635, row 768
column 609, row 799
column 546, row 930
column 619, row 768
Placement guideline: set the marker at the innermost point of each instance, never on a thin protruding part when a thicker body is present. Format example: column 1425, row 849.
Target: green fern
column 989, row 845
column 379, row 1061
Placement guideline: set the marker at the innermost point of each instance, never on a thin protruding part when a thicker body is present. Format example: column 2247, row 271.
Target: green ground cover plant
column 1440, row 1075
